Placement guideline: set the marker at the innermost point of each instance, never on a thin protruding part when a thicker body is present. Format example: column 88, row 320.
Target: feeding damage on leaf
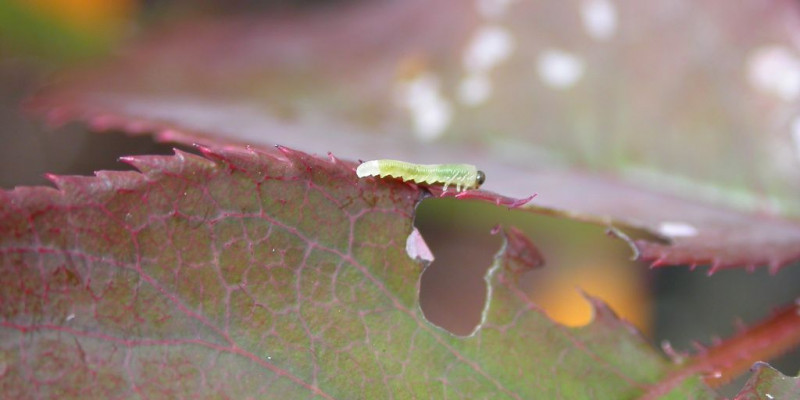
column 519, row 253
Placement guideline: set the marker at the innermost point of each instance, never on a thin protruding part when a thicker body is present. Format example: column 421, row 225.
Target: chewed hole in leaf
column 458, row 233
column 452, row 289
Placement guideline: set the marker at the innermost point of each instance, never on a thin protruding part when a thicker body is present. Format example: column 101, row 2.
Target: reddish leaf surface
column 673, row 118
column 270, row 275
column 520, row 253
column 769, row 384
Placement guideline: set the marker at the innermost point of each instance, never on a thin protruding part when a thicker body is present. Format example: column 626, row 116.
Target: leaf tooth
column 88, row 187
column 285, row 150
column 228, row 157
column 699, row 347
column 602, row 312
column 716, row 265
column 676, row 356
column 184, row 157
column 60, row 181
column 658, row 262
column 775, row 265
column 739, row 325
column 206, row 151
column 144, row 164
column 333, row 158
column 72, row 185
column 298, row 159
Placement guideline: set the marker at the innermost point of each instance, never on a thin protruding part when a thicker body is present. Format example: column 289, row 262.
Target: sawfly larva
column 463, row 176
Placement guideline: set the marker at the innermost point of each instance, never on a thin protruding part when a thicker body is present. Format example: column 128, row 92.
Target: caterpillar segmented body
column 463, row 176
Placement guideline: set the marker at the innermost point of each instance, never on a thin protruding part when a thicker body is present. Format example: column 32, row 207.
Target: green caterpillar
column 463, row 176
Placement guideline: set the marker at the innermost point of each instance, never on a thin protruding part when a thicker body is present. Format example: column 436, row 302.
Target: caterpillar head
column 480, row 179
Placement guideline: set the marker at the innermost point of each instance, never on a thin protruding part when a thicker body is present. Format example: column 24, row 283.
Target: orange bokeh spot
column 88, row 16
column 619, row 286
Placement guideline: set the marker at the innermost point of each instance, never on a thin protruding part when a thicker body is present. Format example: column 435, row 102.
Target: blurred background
column 41, row 37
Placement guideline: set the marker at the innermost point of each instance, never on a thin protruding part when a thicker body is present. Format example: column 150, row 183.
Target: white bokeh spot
column 474, row 89
column 490, row 46
column 431, row 113
column 493, row 8
column 775, row 70
column 599, row 18
column 559, row 69
column 677, row 229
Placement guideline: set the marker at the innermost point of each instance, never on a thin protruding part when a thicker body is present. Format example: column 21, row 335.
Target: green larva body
column 463, row 176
